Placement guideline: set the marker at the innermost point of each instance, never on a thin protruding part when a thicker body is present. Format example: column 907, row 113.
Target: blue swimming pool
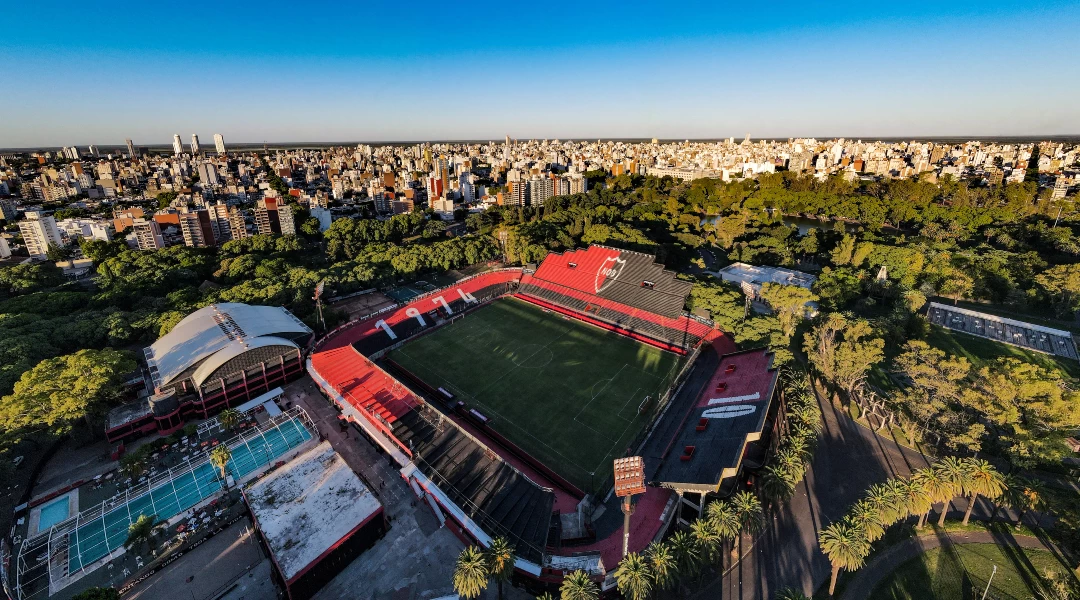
column 54, row 512
column 98, row 537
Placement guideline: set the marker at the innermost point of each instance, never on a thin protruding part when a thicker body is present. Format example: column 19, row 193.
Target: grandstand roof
column 631, row 278
column 729, row 414
column 216, row 328
column 307, row 506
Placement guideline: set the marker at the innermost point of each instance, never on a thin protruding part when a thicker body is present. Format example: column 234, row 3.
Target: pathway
column 892, row 557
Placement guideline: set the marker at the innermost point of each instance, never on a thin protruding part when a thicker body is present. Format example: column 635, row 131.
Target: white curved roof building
column 221, row 339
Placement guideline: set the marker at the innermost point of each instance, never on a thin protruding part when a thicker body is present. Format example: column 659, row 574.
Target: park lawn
column 939, row 574
column 564, row 391
column 981, row 351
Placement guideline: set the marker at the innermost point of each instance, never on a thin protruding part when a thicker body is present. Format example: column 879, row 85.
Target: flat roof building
column 315, row 516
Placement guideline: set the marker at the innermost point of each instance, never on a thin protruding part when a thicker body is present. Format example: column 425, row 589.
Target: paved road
column 849, row 458
column 891, row 558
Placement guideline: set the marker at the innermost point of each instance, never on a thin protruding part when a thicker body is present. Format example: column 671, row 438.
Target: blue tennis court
column 93, row 540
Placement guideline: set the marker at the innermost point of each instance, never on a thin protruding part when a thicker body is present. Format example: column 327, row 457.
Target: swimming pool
column 54, row 512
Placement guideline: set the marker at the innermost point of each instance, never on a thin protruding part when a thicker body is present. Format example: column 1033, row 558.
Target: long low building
column 1001, row 329
column 218, row 356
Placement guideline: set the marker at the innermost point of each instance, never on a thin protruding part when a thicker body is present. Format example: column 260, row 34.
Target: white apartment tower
column 130, row 148
column 219, row 143
column 177, row 145
column 39, row 232
column 147, row 234
column 194, row 144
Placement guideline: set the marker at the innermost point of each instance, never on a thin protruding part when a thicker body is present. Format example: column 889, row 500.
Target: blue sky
column 78, row 73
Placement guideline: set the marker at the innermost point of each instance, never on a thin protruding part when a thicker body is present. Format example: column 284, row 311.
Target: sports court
column 564, row 391
column 94, row 539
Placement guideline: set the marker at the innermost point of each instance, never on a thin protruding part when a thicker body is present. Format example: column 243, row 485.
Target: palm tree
column 707, row 538
column 751, row 517
column 1020, row 494
column 845, row 546
column 142, row 531
column 885, row 501
column 983, row 479
column 578, row 586
column 500, row 560
column 685, row 551
column 634, row 577
column 936, row 487
column 777, row 484
column 470, row 573
column 724, row 520
column 954, row 473
column 867, row 518
column 545, row 596
column 662, row 564
column 791, row 594
column 220, row 457
column 916, row 498
column 229, row 418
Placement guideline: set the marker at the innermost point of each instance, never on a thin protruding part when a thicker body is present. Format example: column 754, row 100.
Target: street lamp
column 629, row 480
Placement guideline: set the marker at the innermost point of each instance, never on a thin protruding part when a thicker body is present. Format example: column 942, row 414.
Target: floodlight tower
column 629, row 480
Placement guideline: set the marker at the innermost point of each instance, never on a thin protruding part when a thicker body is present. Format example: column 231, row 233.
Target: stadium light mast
column 629, row 480
column 318, row 302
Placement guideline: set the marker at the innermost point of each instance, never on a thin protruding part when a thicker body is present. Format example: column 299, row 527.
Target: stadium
column 506, row 396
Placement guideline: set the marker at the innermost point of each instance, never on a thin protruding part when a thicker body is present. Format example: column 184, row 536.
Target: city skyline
column 906, row 70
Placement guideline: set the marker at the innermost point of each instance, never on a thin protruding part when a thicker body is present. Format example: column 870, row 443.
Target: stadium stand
column 628, row 278
column 1001, row 329
column 495, row 495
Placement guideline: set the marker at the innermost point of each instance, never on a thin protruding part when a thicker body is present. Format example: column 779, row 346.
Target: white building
column 177, row 145
column 39, row 232
column 323, row 215
column 5, row 250
column 219, row 143
column 97, row 229
column 194, row 144
column 147, row 234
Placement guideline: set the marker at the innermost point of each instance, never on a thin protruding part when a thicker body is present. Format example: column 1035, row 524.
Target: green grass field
column 940, row 573
column 564, row 391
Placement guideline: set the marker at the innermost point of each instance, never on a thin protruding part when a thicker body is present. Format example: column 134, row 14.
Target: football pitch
column 564, row 391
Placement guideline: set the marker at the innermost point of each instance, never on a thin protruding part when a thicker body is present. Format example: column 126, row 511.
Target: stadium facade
column 478, row 482
column 216, row 357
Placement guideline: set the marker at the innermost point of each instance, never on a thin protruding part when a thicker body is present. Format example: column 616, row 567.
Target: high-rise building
column 147, row 234
column 540, row 189
column 219, row 143
column 194, row 144
column 8, row 211
column 237, row 224
column 219, row 222
column 197, row 229
column 273, row 216
column 130, row 148
column 177, row 145
column 94, row 151
column 39, row 232
column 208, row 174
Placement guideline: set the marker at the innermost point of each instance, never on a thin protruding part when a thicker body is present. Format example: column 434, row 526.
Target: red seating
column 364, row 385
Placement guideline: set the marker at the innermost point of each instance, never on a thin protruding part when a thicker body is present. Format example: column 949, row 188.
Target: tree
column 954, row 474
column 1061, row 284
column 142, row 531
column 57, row 253
column 1030, row 408
column 685, row 551
column 471, row 572
column 937, row 393
column 500, row 560
column 662, row 564
column 60, row 391
column 749, row 515
column 578, row 586
column 982, row 479
column 789, row 302
column 98, row 593
column 936, row 487
column 220, row 457
column 229, row 418
column 846, row 547
column 791, row 594
column 843, row 350
column 634, row 577
column 867, row 517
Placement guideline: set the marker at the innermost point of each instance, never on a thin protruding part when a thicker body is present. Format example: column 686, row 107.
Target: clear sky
column 82, row 73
